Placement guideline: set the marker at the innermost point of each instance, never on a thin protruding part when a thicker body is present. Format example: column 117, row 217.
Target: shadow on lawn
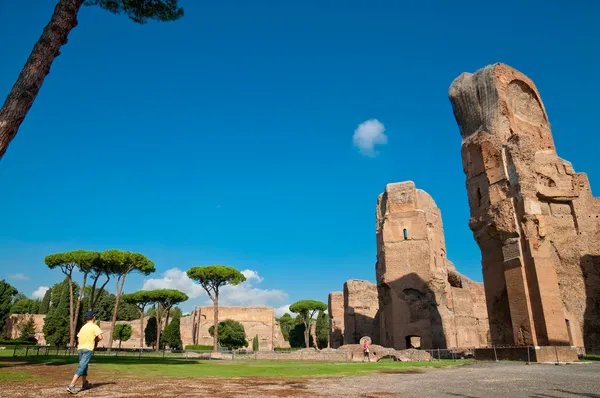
column 59, row 361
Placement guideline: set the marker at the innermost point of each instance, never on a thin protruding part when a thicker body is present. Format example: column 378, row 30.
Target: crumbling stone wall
column 336, row 313
column 361, row 307
column 424, row 302
column 256, row 321
column 533, row 217
column 14, row 322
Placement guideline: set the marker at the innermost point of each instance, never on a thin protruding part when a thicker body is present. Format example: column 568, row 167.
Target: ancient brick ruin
column 361, row 308
column 257, row 321
column 336, row 313
column 533, row 217
column 424, row 302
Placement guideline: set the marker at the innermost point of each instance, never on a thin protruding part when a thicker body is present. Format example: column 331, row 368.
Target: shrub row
column 287, row 349
column 199, row 347
column 16, row 342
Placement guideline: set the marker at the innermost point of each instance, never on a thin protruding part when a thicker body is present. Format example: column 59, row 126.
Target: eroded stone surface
column 423, row 300
column 361, row 307
column 377, row 352
column 14, row 322
column 533, row 217
column 336, row 312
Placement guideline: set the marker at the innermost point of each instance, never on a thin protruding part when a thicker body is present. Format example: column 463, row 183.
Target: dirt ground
column 477, row 380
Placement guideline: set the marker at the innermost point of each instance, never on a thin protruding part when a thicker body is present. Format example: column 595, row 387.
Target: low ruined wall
column 533, row 354
column 257, row 321
column 15, row 320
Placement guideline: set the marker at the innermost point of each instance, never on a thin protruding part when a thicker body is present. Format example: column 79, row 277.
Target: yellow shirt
column 87, row 336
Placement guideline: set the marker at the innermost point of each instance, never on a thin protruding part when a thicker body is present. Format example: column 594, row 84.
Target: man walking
column 89, row 335
column 366, row 352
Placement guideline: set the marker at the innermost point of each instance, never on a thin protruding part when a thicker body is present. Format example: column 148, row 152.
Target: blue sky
column 226, row 137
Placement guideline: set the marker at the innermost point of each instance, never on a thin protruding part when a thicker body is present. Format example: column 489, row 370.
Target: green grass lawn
column 151, row 368
column 591, row 358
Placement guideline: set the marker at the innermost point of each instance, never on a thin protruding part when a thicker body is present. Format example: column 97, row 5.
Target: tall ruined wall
column 256, row 321
column 361, row 307
column 14, row 322
column 418, row 303
column 533, row 217
column 336, row 312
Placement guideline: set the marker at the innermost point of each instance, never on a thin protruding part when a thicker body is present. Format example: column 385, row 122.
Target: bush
column 289, row 349
column 198, row 347
column 16, row 342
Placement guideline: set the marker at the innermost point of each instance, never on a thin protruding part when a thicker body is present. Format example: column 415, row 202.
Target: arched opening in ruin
column 413, row 341
column 405, row 234
column 569, row 331
column 454, row 279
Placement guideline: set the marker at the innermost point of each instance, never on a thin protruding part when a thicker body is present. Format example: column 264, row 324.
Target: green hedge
column 199, row 347
column 286, row 349
column 15, row 342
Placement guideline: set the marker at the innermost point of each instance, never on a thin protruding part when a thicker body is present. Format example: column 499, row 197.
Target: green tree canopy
column 140, row 299
column 27, row 330
column 172, row 334
column 56, row 324
column 150, row 332
column 122, row 333
column 122, row 263
column 286, row 323
column 45, row 305
column 231, row 334
column 212, row 278
column 322, row 329
column 306, row 310
column 55, row 35
column 141, row 11
column 7, row 294
column 163, row 300
column 67, row 262
column 25, row 306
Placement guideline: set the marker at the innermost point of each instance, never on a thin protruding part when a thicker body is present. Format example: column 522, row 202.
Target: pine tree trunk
column 142, row 327
column 306, row 331
column 158, row 327
column 314, row 334
column 116, row 309
column 216, row 323
column 71, row 328
column 36, row 68
column 76, row 315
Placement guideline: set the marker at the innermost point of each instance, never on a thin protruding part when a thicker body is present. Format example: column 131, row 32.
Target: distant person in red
column 366, row 352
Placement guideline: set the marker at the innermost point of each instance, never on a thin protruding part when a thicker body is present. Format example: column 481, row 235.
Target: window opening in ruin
column 413, row 342
column 405, row 234
column 569, row 331
column 454, row 280
column 478, row 196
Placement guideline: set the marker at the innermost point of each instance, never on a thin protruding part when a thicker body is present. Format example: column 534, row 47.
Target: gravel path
column 503, row 379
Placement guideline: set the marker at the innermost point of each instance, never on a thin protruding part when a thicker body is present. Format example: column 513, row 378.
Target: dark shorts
column 84, row 360
column 366, row 353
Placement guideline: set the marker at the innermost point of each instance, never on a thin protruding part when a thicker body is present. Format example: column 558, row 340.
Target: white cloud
column 40, row 292
column 368, row 134
column 282, row 310
column 19, row 277
column 252, row 275
column 244, row 294
column 176, row 279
